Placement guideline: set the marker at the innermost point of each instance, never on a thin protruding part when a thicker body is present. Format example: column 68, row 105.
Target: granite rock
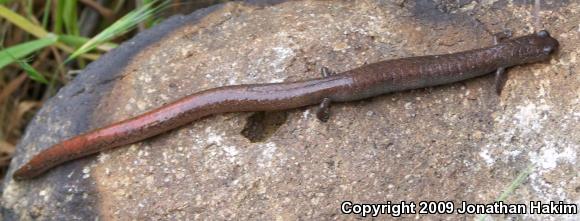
column 459, row 142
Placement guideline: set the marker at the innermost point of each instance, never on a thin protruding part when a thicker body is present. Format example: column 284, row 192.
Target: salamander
column 359, row 83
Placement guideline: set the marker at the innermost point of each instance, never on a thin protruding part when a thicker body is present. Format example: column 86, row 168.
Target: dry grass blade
column 22, row 22
column 11, row 87
column 6, row 151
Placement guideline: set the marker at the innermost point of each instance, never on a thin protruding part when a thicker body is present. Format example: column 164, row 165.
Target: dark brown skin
column 359, row 83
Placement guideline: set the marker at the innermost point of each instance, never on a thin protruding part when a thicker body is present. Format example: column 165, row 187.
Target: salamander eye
column 543, row 33
column 548, row 49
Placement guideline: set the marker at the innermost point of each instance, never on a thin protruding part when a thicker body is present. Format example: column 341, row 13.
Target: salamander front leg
column 323, row 112
column 500, row 74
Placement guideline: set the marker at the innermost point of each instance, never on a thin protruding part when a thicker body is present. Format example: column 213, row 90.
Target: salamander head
column 549, row 45
column 532, row 48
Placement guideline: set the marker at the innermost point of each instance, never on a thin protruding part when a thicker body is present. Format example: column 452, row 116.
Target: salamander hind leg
column 500, row 36
column 500, row 73
column 500, row 79
column 323, row 112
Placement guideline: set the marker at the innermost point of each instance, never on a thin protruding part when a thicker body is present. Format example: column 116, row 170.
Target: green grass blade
column 516, row 183
column 36, row 30
column 58, row 15
column 46, row 14
column 512, row 187
column 17, row 52
column 32, row 73
column 121, row 26
column 149, row 22
column 22, row 22
column 77, row 41
column 69, row 16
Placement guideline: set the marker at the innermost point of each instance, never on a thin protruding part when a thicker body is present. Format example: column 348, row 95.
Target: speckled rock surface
column 459, row 142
